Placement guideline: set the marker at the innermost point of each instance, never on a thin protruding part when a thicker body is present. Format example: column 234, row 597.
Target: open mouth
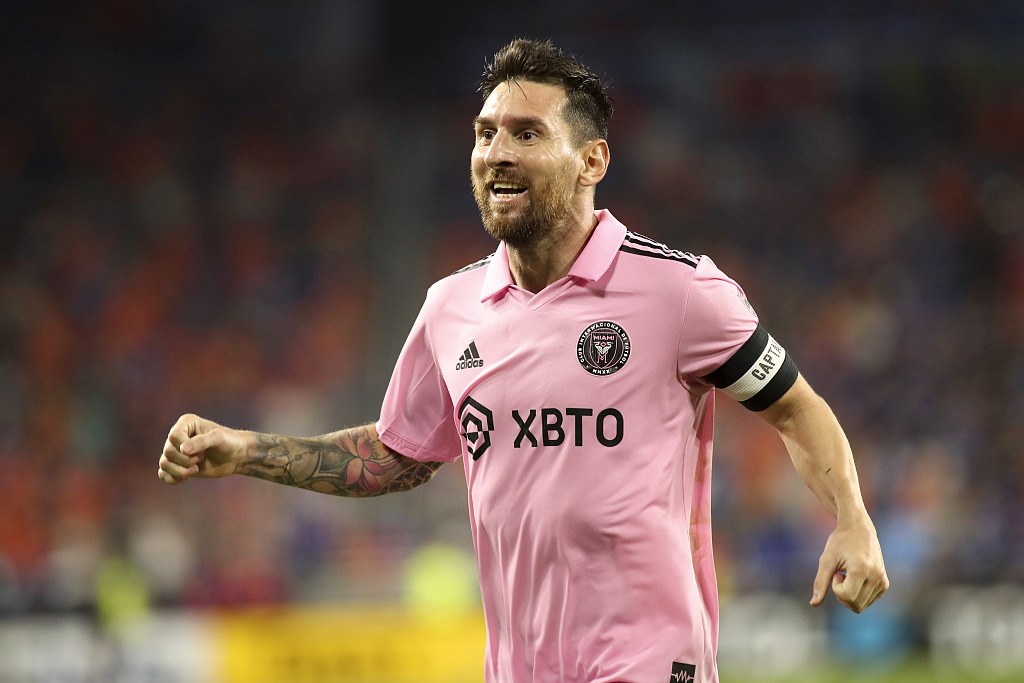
column 505, row 191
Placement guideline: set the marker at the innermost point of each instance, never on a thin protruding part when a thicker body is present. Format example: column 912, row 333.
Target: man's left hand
column 852, row 560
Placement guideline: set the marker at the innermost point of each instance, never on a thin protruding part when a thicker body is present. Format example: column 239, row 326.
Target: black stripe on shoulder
column 645, row 246
column 653, row 254
column 473, row 266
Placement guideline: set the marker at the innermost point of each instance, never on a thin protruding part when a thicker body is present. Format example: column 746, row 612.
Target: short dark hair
column 588, row 108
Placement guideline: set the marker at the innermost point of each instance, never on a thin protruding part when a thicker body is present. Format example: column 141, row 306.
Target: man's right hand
column 200, row 448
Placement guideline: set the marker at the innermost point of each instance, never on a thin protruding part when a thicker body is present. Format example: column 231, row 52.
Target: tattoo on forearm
column 347, row 463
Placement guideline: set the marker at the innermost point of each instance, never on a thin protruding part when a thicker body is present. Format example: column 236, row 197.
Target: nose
column 501, row 151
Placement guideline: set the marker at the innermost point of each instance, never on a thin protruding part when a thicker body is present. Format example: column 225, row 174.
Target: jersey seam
column 428, row 332
column 420, row 450
column 682, row 324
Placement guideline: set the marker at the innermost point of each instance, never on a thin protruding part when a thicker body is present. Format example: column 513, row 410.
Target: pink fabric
column 592, row 522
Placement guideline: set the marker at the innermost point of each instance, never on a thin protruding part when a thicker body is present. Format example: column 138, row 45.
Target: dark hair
column 588, row 108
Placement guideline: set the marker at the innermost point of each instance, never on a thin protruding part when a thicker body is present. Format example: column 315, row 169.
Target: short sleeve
column 417, row 419
column 722, row 343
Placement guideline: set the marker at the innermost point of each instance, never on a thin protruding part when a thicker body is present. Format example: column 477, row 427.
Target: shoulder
column 694, row 278
column 465, row 281
column 473, row 266
column 697, row 269
column 635, row 244
column 646, row 265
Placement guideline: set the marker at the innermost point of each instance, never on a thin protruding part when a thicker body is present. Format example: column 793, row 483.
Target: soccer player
column 573, row 371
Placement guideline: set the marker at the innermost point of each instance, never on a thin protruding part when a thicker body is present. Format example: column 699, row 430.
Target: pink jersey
column 583, row 415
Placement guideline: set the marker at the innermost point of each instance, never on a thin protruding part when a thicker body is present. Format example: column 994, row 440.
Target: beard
column 547, row 212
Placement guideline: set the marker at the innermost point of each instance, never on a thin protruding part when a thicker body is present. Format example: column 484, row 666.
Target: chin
column 512, row 235
column 514, row 232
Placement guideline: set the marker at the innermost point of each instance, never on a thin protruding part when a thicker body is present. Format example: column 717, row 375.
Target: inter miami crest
column 603, row 348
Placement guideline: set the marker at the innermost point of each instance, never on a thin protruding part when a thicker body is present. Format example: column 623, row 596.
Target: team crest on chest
column 603, row 348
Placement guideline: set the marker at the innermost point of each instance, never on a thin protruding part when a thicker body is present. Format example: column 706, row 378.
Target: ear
column 595, row 157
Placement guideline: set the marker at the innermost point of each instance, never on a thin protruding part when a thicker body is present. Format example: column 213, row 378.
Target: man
column 573, row 371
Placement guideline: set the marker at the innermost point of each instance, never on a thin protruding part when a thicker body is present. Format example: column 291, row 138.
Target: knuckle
column 877, row 573
column 182, row 422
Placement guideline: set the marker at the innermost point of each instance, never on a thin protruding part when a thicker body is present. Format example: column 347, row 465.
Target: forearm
column 852, row 559
column 352, row 462
column 822, row 456
column 819, row 450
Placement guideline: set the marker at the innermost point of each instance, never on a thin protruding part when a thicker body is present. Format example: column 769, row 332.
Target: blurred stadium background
column 234, row 208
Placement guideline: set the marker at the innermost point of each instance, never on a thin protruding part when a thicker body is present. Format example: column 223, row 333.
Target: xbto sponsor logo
column 608, row 426
column 477, row 422
column 553, row 428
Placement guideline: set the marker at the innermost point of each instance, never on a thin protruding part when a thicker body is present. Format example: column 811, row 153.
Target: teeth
column 507, row 190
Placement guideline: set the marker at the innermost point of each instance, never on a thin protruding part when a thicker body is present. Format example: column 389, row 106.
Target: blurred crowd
column 195, row 203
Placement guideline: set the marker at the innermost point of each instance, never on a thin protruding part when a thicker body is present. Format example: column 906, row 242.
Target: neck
column 536, row 266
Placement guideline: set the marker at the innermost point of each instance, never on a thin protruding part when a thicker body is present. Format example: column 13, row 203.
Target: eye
column 527, row 136
column 485, row 134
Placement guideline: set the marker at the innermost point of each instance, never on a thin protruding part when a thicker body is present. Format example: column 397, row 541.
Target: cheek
column 477, row 166
column 478, row 153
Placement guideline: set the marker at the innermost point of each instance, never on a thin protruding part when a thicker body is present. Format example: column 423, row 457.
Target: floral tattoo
column 348, row 463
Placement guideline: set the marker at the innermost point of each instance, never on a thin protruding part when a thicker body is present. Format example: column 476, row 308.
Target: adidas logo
column 470, row 358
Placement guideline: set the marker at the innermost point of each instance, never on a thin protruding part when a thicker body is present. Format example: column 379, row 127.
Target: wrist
column 246, row 452
column 854, row 515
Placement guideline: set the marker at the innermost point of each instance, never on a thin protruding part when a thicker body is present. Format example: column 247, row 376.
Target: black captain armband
column 758, row 374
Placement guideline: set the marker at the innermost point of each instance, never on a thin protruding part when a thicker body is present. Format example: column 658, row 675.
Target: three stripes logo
column 645, row 246
column 470, row 358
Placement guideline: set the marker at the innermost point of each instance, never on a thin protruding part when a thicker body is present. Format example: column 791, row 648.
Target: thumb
column 200, row 442
column 821, row 582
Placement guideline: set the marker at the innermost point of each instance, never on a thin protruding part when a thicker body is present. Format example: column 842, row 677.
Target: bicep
column 806, row 424
column 724, row 345
column 783, row 413
column 412, row 473
column 409, row 472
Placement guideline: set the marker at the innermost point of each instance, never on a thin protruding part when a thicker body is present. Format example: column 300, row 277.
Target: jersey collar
column 592, row 263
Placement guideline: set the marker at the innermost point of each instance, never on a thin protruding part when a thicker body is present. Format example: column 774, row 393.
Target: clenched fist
column 196, row 447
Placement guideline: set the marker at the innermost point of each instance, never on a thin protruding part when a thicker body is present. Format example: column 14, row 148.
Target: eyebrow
column 515, row 121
